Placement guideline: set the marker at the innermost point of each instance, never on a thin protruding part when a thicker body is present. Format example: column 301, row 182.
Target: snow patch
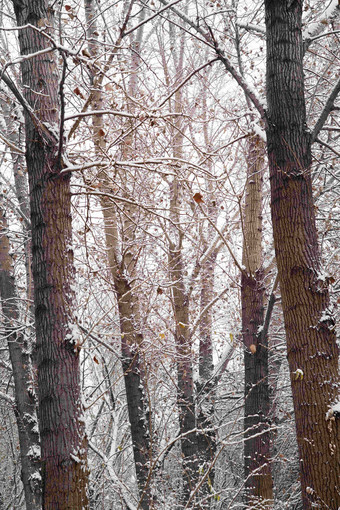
column 35, row 477
column 75, row 458
column 258, row 131
column 336, row 407
column 326, row 316
column 34, row 452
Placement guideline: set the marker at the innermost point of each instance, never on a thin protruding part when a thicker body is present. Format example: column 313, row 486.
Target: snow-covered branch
column 312, row 31
column 238, row 265
column 157, row 13
column 137, row 116
column 205, row 309
column 11, row 145
column 114, row 478
column 187, row 79
column 252, row 28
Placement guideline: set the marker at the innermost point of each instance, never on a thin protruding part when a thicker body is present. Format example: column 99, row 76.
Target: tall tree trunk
column 185, row 389
column 122, row 266
column 180, row 299
column 311, row 343
column 15, row 135
column 63, row 439
column 206, row 387
column 25, row 401
column 257, row 468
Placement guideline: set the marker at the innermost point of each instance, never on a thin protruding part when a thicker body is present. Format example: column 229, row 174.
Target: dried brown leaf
column 198, row 198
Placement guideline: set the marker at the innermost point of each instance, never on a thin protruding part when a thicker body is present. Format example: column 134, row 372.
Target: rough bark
column 19, row 351
column 122, row 267
column 63, row 439
column 311, row 343
column 257, row 468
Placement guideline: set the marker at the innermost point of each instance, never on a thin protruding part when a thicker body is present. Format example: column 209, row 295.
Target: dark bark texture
column 132, row 361
column 63, row 440
column 311, row 343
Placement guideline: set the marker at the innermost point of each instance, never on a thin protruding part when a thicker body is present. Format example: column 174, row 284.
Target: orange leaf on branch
column 198, row 198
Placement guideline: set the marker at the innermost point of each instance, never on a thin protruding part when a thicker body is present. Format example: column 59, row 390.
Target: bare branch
column 128, row 32
column 325, row 112
column 206, row 309
column 11, row 145
column 270, row 307
column 187, row 79
column 140, row 116
column 40, row 126
column 210, row 40
column 237, row 264
column 328, row 146
column 114, row 477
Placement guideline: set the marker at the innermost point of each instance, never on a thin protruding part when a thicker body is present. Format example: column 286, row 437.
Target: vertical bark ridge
column 180, row 297
column 185, row 391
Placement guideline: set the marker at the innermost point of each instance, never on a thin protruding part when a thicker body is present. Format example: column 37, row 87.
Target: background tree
column 258, row 477
column 19, row 350
column 122, row 258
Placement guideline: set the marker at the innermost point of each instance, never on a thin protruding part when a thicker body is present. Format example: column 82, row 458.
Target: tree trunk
column 257, row 468
column 122, row 266
column 183, row 341
column 311, row 343
column 206, row 387
column 185, row 389
column 63, row 439
column 25, row 402
column 15, row 135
